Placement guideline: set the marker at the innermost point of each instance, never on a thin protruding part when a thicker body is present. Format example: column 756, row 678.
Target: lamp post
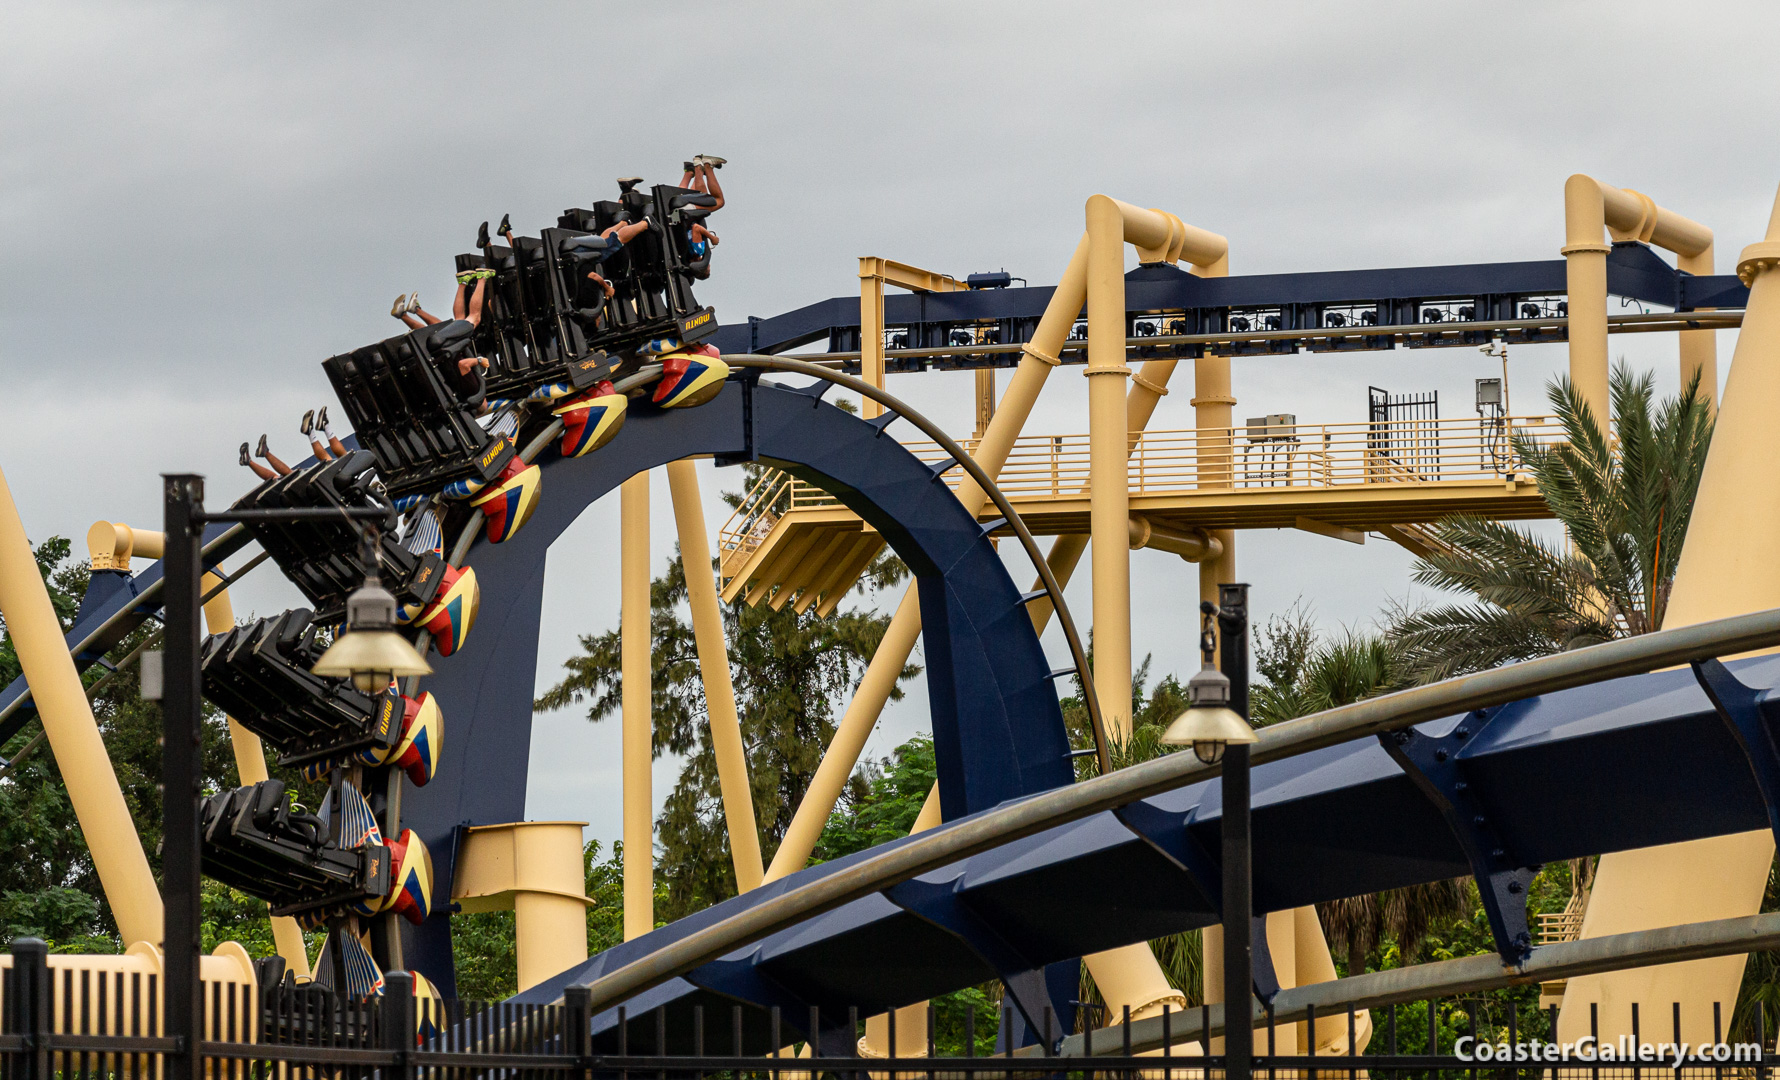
column 181, row 697
column 1216, row 726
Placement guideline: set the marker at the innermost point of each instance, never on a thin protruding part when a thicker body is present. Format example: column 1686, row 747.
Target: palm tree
column 1624, row 505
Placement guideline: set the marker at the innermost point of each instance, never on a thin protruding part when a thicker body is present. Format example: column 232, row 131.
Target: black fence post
column 577, row 1005
column 29, row 1005
column 396, row 1023
column 181, row 702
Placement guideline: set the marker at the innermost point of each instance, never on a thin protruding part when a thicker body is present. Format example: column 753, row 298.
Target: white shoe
column 412, row 307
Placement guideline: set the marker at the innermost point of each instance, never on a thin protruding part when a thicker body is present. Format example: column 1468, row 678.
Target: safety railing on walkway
column 1261, row 458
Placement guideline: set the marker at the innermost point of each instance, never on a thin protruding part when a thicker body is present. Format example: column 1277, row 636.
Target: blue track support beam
column 1742, row 709
column 997, row 725
column 1396, row 295
column 935, row 898
column 1433, row 763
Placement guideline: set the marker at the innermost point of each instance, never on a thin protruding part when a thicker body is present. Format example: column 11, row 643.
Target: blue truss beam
column 1398, row 295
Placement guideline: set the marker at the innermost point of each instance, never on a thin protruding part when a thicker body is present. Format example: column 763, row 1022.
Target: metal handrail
column 1027, row 817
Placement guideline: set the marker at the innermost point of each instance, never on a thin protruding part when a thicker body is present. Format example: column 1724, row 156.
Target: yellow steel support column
column 985, row 401
column 536, row 868
column 1699, row 348
column 74, row 735
column 874, row 274
column 637, row 691
column 713, row 667
column 1589, row 208
column 871, row 334
column 1109, row 503
column 1728, row 567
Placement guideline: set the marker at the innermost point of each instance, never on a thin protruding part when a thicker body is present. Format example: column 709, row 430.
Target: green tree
column 881, row 800
column 1625, row 506
column 790, row 670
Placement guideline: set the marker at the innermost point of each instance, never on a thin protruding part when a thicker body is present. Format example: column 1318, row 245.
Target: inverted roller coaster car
column 415, row 411
column 321, row 557
column 255, row 840
column 522, row 335
column 259, row 674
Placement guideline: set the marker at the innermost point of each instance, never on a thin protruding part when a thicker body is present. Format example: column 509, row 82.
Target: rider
column 278, row 468
column 701, row 176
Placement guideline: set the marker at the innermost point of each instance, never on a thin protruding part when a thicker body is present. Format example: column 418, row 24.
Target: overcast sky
column 203, row 201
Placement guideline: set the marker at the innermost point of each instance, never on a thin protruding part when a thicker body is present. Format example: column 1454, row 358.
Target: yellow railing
column 1256, row 458
column 752, row 520
column 1262, row 458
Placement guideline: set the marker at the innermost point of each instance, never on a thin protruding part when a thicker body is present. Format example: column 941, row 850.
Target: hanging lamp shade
column 1209, row 724
column 370, row 652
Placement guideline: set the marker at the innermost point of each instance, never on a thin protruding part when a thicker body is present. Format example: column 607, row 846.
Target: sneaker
column 688, row 166
column 482, row 236
column 466, row 277
column 713, row 162
column 626, row 183
column 506, row 225
column 245, row 460
column 321, row 419
column 262, row 451
column 396, row 309
column 413, row 304
column 308, row 424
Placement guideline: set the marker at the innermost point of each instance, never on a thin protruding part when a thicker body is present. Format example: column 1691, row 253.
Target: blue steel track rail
column 1394, row 296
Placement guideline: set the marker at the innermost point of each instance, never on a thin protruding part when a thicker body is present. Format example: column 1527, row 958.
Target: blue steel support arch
column 998, row 727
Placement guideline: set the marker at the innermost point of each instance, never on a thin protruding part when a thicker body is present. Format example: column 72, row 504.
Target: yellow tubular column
column 871, row 331
column 713, row 667
column 74, row 735
column 637, row 691
column 1109, row 503
column 1585, row 282
column 1589, row 207
column 536, row 869
column 1036, row 362
column 1699, row 348
column 1728, row 567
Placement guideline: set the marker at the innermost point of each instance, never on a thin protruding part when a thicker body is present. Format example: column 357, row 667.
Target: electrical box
column 1272, row 426
column 1489, row 393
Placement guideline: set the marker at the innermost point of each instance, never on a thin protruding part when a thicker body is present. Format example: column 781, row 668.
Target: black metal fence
column 64, row 1022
